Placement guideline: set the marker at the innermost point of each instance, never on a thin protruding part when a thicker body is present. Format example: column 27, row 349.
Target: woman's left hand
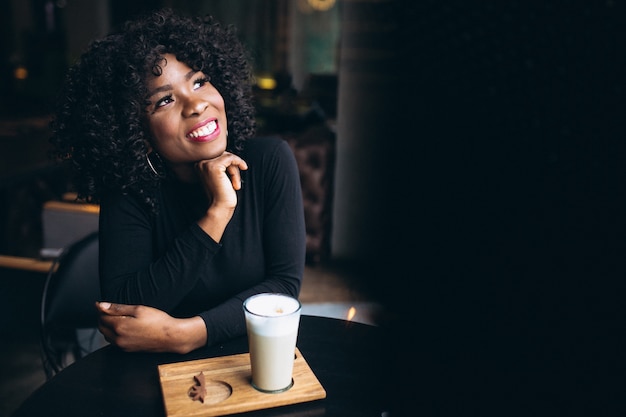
column 141, row 328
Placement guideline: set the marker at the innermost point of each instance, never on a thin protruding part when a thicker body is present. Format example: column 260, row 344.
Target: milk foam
column 272, row 314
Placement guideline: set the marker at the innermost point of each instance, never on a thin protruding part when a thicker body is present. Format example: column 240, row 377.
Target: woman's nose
column 194, row 106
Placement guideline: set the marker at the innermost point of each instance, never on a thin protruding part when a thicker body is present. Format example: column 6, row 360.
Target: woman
column 195, row 215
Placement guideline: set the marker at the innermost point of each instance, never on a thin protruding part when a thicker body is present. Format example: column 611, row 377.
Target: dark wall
column 123, row 10
column 510, row 178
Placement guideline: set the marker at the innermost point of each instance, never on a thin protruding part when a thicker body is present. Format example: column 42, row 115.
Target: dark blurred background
column 517, row 114
column 40, row 38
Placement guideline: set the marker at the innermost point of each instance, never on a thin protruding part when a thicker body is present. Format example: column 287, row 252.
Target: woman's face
column 186, row 117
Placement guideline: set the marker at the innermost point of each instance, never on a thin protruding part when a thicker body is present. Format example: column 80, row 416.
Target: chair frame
column 60, row 345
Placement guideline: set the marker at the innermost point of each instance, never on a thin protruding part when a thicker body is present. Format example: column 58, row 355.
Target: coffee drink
column 272, row 322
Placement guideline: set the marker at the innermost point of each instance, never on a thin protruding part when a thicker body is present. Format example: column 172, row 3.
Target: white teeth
column 204, row 130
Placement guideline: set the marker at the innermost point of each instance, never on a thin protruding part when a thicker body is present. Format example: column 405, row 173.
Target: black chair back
column 72, row 287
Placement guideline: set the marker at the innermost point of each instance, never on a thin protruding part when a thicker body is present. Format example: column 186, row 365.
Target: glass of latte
column 272, row 322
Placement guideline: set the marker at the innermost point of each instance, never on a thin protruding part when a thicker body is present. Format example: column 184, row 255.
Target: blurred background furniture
column 306, row 120
column 65, row 222
column 314, row 149
column 68, row 316
column 28, row 178
column 47, row 229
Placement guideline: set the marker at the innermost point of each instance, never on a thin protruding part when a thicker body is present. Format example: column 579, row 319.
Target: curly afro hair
column 99, row 126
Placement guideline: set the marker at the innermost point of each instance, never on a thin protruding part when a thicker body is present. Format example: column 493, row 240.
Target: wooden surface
column 228, row 386
column 74, row 207
column 26, row 264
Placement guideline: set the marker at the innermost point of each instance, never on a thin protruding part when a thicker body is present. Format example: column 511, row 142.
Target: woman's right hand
column 135, row 328
column 221, row 178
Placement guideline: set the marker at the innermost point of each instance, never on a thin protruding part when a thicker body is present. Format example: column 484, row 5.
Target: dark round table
column 348, row 359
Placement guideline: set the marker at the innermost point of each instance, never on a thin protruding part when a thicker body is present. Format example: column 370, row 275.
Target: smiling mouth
column 205, row 130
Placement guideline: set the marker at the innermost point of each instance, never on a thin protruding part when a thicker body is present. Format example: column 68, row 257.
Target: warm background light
column 20, row 73
column 351, row 313
column 266, row 83
column 321, row 4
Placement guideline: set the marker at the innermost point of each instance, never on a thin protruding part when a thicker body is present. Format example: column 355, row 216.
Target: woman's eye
column 200, row 82
column 163, row 101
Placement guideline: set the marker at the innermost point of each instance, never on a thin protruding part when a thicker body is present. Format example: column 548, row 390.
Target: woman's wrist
column 215, row 220
column 191, row 335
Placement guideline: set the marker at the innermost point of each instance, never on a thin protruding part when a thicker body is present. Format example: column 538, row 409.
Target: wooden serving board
column 228, row 387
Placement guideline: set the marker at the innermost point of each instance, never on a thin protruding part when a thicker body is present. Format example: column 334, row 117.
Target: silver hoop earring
column 152, row 166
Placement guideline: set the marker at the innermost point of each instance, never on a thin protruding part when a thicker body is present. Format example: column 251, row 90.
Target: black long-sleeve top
column 168, row 262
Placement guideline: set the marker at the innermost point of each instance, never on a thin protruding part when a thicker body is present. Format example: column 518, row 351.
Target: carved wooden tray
column 228, row 388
